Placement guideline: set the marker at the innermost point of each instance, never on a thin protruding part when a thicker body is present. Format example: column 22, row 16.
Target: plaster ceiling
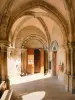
column 27, row 25
column 27, row 32
column 18, row 29
column 32, row 44
column 31, row 27
column 18, row 4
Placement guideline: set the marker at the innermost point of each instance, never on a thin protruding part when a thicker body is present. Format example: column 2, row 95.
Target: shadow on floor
column 50, row 89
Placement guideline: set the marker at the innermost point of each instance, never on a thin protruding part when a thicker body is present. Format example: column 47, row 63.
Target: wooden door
column 30, row 61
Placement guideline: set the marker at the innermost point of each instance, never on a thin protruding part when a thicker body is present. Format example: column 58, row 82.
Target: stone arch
column 46, row 30
column 42, row 23
column 37, row 30
column 34, row 36
column 31, row 38
column 5, row 28
column 68, row 4
column 5, row 19
column 11, row 36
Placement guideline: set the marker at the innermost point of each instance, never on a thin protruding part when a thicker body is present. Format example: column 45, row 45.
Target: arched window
column 54, row 46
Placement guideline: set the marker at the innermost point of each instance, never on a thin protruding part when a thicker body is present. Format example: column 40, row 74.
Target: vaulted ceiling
column 36, row 23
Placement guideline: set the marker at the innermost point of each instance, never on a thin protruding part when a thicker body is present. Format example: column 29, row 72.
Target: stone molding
column 71, row 18
column 71, row 45
column 4, row 43
column 34, row 36
column 5, row 19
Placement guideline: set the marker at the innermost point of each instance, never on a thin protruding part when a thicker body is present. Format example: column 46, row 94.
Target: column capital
column 71, row 44
column 46, row 49
column 4, row 43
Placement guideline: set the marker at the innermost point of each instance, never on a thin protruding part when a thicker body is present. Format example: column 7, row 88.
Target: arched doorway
column 35, row 60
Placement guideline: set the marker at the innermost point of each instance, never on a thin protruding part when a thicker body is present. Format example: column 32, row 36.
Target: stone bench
column 7, row 95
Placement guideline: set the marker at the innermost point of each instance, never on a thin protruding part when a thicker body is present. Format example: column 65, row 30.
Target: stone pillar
column 48, row 61
column 4, row 63
column 65, row 69
column 25, row 61
column 68, row 68
column 53, row 63
column 72, row 61
column 45, row 61
column 70, row 75
column 4, row 72
column 22, row 63
column 68, row 61
column 0, row 63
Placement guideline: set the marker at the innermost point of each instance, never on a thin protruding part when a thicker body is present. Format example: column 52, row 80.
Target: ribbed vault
column 42, row 26
column 26, row 10
column 29, row 33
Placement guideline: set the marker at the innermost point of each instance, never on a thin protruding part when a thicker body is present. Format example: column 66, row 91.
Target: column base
column 70, row 83
column 7, row 81
column 53, row 73
column 66, row 82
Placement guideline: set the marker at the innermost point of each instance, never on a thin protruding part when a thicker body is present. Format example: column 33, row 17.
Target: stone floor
column 43, row 88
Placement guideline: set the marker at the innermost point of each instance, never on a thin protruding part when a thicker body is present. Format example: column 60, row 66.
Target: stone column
column 25, row 61
column 48, row 61
column 45, row 61
column 22, row 63
column 71, row 58
column 68, row 61
column 4, row 63
column 70, row 76
column 4, row 69
column 65, row 61
column 0, row 63
column 68, row 67
column 53, row 63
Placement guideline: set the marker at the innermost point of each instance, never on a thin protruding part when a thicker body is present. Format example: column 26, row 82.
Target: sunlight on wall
column 13, row 67
column 34, row 96
column 61, row 59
